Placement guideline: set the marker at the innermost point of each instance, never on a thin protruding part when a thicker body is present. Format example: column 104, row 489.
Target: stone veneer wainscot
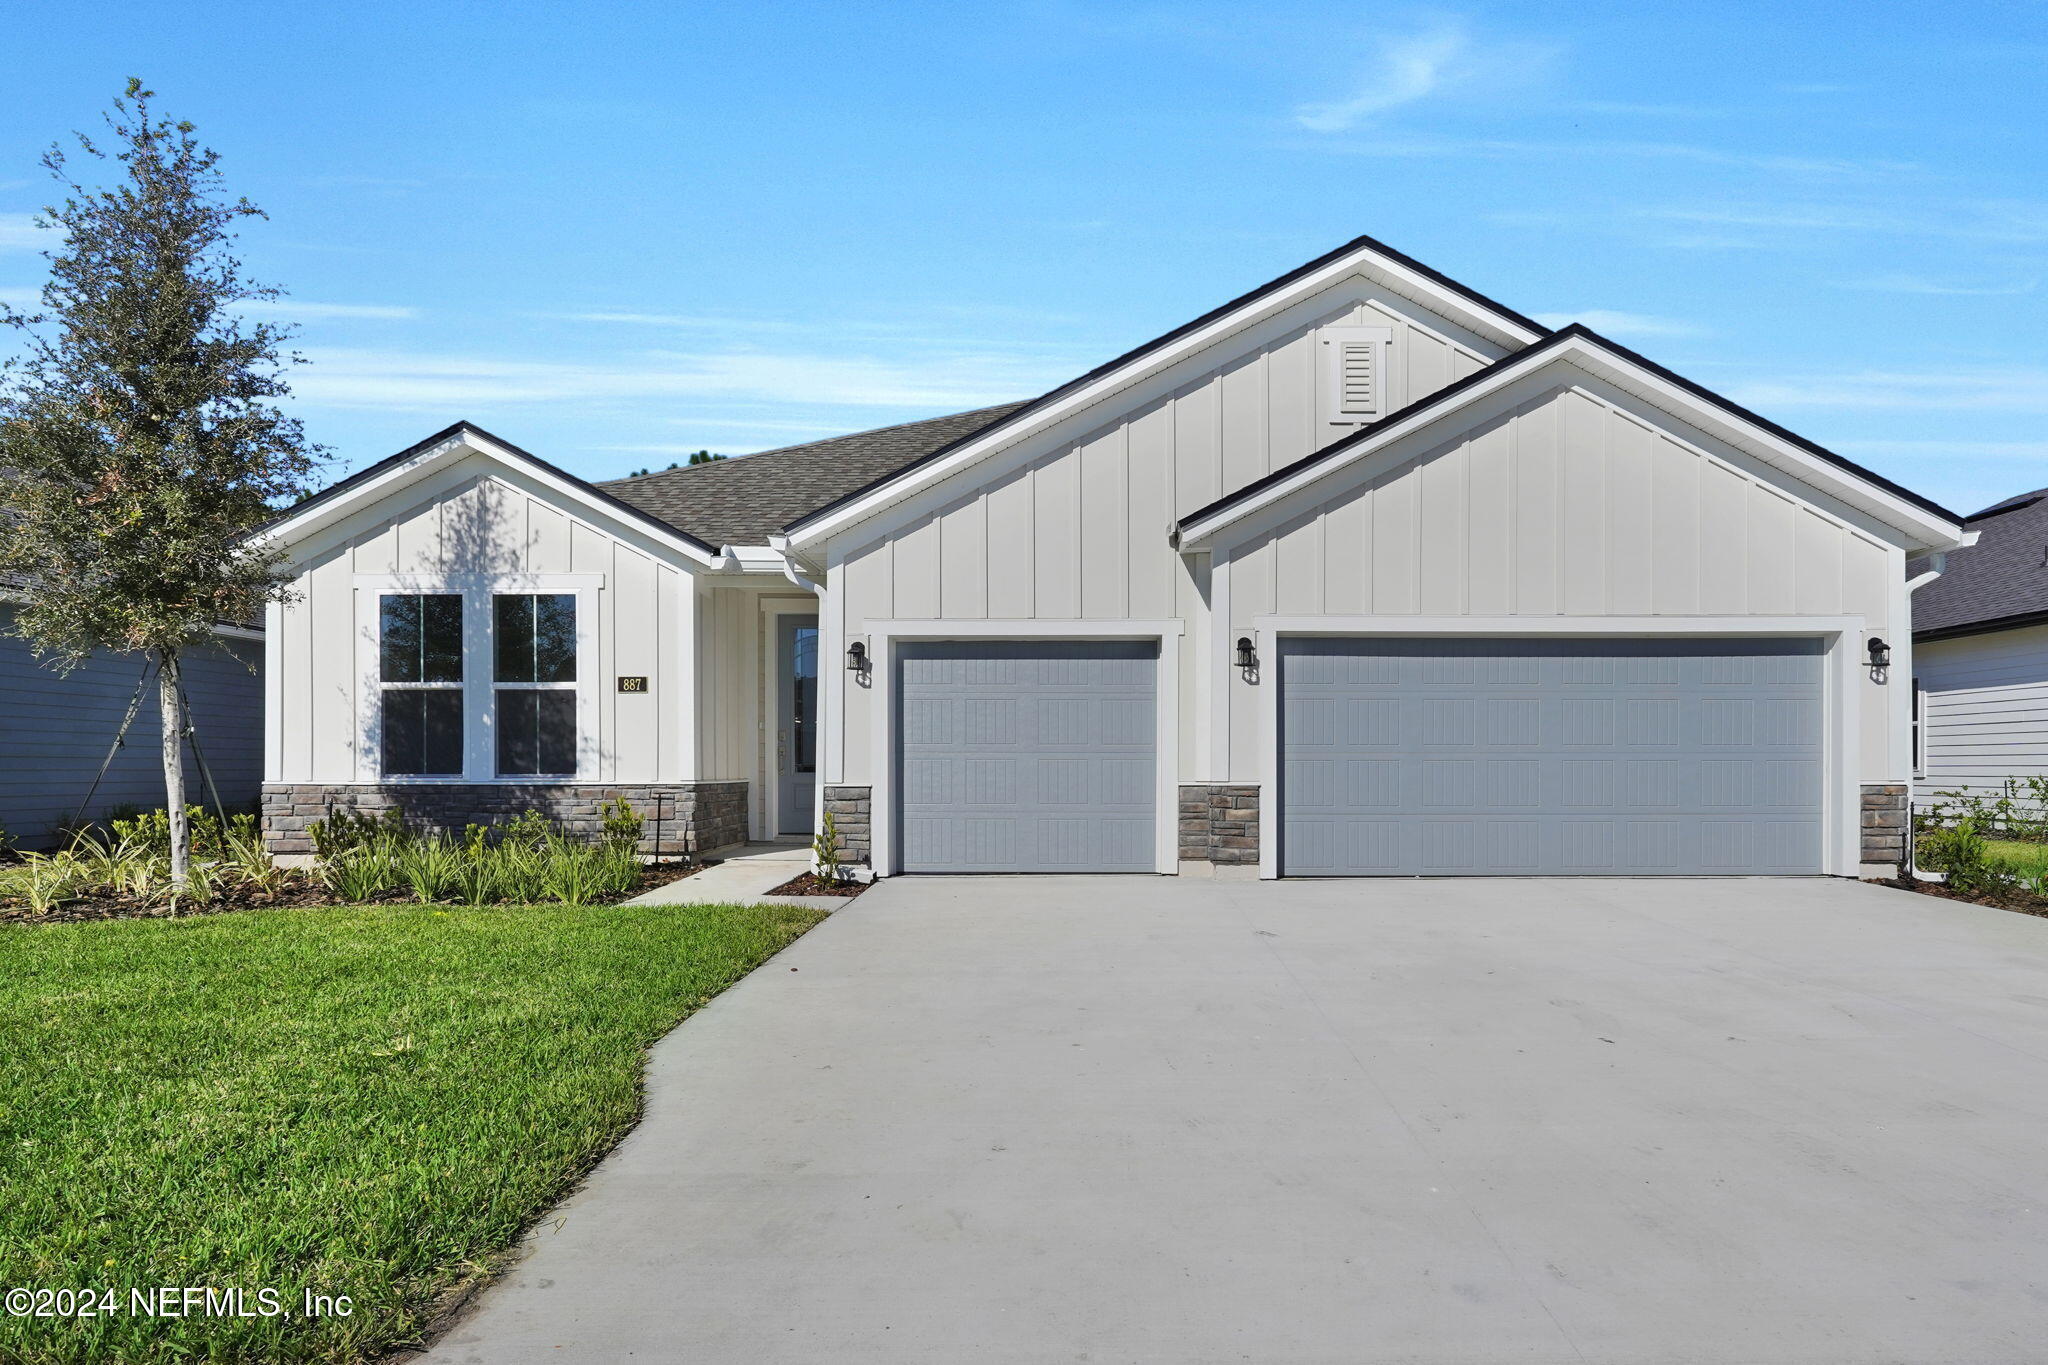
column 677, row 817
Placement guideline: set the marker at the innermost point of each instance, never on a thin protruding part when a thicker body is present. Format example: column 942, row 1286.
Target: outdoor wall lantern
column 1247, row 657
column 856, row 657
column 1880, row 653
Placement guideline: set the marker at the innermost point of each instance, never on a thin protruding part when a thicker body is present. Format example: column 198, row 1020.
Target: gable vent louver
column 1355, row 374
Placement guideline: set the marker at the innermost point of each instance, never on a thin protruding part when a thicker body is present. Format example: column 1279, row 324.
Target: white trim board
column 884, row 636
column 1363, row 259
column 1585, row 355
column 1842, row 638
column 306, row 533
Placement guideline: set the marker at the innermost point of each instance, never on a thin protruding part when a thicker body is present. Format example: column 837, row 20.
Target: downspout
column 1934, row 566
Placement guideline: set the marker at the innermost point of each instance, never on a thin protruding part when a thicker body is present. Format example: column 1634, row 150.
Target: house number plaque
column 633, row 684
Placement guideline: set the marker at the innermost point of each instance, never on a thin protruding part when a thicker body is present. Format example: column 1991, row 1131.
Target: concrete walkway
column 1157, row 1120
column 742, row 876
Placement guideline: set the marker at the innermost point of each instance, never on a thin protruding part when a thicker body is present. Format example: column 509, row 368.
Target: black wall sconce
column 1880, row 653
column 1247, row 657
column 856, row 657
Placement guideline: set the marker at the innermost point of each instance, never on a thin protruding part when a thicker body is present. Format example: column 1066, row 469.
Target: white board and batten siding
column 1985, row 711
column 1075, row 528
column 478, row 518
column 1567, row 505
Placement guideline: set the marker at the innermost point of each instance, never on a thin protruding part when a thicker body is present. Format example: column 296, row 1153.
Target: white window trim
column 479, row 743
column 882, row 637
column 1841, row 638
column 1916, row 731
column 768, row 816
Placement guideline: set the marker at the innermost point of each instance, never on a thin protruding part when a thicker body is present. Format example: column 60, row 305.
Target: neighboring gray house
column 1980, row 651
column 55, row 729
column 1359, row 574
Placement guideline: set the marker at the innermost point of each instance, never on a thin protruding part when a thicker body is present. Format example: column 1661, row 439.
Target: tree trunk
column 170, row 702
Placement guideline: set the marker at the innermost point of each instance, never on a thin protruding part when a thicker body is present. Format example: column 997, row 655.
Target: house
column 56, row 730
column 1359, row 573
column 1980, row 655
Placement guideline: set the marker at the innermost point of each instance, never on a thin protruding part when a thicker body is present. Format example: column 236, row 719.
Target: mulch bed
column 2025, row 902
column 809, row 884
column 300, row 891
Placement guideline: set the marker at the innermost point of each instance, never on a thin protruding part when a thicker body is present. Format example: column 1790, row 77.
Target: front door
column 796, row 723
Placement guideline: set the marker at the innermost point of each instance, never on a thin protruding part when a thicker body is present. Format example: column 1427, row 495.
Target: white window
column 479, row 679
column 533, row 695
column 419, row 667
column 1355, row 378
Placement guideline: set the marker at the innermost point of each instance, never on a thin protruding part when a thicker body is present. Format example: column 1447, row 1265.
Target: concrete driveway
column 1107, row 1120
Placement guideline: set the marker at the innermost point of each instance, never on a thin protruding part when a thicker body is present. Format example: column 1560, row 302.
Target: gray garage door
column 1572, row 756
column 1026, row 756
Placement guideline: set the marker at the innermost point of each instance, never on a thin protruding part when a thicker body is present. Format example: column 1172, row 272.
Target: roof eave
column 1361, row 254
column 1926, row 525
column 396, row 472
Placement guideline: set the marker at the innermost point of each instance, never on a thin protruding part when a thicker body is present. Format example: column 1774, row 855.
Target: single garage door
column 1436, row 757
column 1027, row 756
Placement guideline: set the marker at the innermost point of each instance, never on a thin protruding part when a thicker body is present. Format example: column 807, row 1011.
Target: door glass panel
column 804, row 698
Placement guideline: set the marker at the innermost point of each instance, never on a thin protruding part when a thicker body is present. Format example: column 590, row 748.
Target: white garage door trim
column 1842, row 638
column 884, row 636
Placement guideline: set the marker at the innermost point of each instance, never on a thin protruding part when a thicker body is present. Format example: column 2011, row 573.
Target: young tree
column 140, row 437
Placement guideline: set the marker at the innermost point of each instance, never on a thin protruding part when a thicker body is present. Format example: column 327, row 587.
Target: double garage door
column 1398, row 757
column 1565, row 756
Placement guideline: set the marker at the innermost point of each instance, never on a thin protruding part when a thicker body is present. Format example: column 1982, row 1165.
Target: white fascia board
column 1362, row 261
column 1920, row 528
column 294, row 529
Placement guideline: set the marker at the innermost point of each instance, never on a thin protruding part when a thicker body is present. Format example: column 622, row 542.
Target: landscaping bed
column 811, row 884
column 371, row 1102
column 1998, row 898
column 122, row 871
column 296, row 890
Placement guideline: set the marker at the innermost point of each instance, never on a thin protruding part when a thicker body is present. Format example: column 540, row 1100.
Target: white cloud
column 1409, row 67
column 1404, row 70
column 2007, row 221
column 1920, row 284
column 1948, row 450
column 343, row 377
column 18, row 232
column 1611, row 322
column 26, row 297
column 298, row 308
column 1518, row 149
column 1984, row 389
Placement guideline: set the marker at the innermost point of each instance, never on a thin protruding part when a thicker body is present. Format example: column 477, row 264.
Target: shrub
column 826, row 852
column 1957, row 850
column 622, row 824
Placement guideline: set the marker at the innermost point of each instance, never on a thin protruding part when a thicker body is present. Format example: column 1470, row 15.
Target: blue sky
column 617, row 233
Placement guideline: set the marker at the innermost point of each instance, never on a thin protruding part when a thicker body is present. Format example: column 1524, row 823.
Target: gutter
column 791, row 569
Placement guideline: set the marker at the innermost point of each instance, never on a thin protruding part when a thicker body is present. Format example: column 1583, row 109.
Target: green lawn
column 2021, row 857
column 369, row 1102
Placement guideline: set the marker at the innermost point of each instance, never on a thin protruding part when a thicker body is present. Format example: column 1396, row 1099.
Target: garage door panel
column 1049, row 766
column 1551, row 756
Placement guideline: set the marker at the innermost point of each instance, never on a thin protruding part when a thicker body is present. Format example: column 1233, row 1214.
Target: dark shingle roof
column 743, row 501
column 2003, row 576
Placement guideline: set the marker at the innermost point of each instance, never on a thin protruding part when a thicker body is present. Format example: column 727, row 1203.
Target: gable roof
column 1878, row 495
column 1360, row 253
column 743, row 501
column 407, row 465
column 1995, row 584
